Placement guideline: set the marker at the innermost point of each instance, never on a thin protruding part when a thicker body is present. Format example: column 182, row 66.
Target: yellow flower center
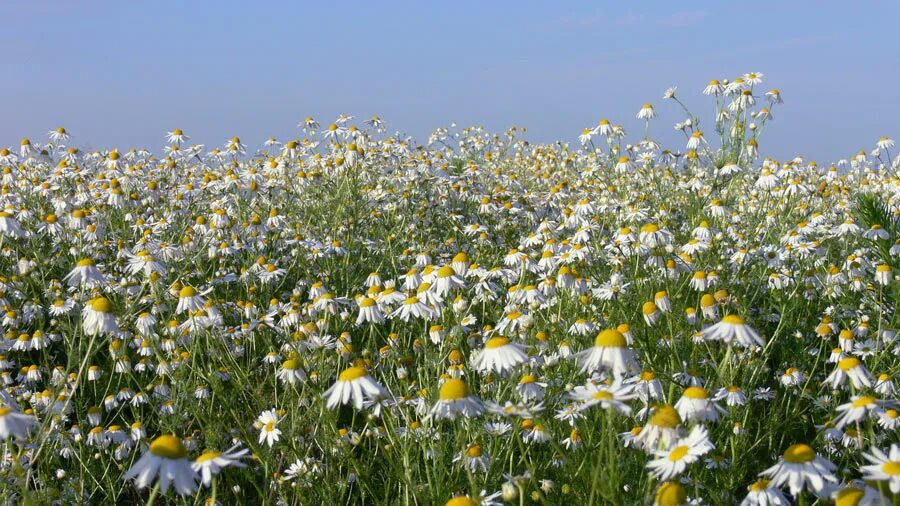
column 188, row 291
column 474, row 451
column 733, row 319
column 610, row 338
column 679, row 453
column 799, row 454
column 496, row 342
column 101, row 305
column 864, row 401
column 759, row 485
column 666, row 417
column 696, row 393
column 446, row 271
column 603, row 395
column 671, row 493
column 84, row 262
column 352, row 373
column 850, row 496
column 461, row 501
column 849, row 363
column 891, row 468
column 207, row 456
column 290, row 364
column 367, row 302
column 454, row 389
column 168, row 447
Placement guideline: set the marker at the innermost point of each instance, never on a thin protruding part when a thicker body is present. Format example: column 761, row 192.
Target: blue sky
column 120, row 74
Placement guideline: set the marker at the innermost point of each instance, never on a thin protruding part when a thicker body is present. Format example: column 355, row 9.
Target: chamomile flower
column 455, row 400
column 9, row 226
column 14, row 424
column 850, row 368
column 267, row 423
column 858, row 409
column 369, row 311
column 801, row 468
column 190, row 299
column 474, row 458
column 610, row 352
column 211, row 463
column 499, row 355
column 165, row 460
column 760, row 493
column 356, row 385
column 883, row 467
column 98, row 317
column 695, row 404
column 85, row 274
column 291, row 372
column 733, row 329
column 646, row 112
column 609, row 397
column 683, row 452
column 661, row 428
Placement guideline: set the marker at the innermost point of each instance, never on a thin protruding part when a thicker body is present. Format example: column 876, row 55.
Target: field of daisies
column 353, row 317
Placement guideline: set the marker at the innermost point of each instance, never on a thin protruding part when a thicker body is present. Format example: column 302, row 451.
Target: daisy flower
column 86, row 274
column 850, row 368
column 9, row 226
column 189, row 299
column 733, row 329
column 290, row 372
column 761, row 494
column 369, row 311
column 859, row 408
column 498, row 355
column 683, row 452
column 354, row 383
column 883, row 467
column 165, row 460
column 454, row 400
column 801, row 468
column 610, row 352
column 611, row 396
column 267, row 424
column 695, row 404
column 14, row 424
column 211, row 463
column 661, row 429
column 98, row 318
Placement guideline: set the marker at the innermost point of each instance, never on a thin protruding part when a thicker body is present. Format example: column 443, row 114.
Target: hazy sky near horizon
column 121, row 74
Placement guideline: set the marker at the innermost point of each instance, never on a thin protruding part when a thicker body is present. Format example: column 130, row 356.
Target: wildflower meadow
column 359, row 317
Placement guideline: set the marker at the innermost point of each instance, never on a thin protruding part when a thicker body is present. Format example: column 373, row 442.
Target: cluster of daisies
column 350, row 317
